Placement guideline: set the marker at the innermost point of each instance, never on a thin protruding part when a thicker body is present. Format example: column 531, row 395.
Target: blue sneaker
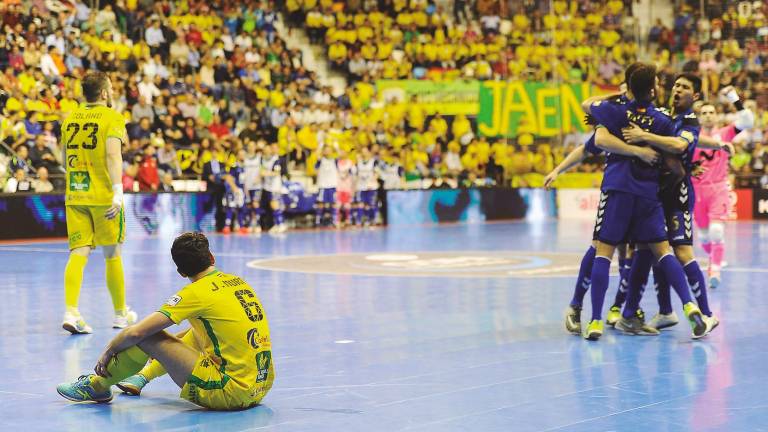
column 133, row 384
column 81, row 391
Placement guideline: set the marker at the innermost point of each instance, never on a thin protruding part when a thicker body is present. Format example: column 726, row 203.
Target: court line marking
column 20, row 393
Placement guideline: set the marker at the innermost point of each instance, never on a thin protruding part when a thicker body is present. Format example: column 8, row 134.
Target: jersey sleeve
column 688, row 130
column 606, row 112
column 182, row 305
column 116, row 127
column 590, row 146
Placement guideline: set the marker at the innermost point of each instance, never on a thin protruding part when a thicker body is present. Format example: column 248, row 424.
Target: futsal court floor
column 437, row 328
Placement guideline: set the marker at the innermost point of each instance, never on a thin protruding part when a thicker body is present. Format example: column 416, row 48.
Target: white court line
column 20, row 393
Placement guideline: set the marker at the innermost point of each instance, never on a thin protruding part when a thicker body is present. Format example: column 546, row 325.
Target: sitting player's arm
column 670, row 144
column 132, row 335
column 611, row 144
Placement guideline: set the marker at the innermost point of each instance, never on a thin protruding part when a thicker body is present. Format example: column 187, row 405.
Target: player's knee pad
column 716, row 232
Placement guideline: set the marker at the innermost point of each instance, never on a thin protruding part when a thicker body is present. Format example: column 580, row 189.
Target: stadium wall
column 35, row 216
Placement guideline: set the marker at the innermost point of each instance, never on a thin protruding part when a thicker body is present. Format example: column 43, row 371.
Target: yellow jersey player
column 224, row 362
column 92, row 136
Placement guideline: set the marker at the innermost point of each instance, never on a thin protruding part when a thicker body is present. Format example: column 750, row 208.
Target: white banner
column 577, row 203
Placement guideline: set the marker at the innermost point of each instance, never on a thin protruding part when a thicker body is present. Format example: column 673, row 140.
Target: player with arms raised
column 712, row 188
column 92, row 136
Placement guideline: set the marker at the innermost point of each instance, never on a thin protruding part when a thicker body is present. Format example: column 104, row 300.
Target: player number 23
column 91, row 128
column 251, row 308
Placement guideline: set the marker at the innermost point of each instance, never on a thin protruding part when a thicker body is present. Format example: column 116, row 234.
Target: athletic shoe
column 573, row 319
column 256, row 230
column 125, row 319
column 81, row 391
column 75, row 324
column 695, row 317
column 275, row 229
column 714, row 279
column 226, row 230
column 636, row 326
column 614, row 315
column 282, row 228
column 133, row 384
column 243, row 230
column 594, row 330
column 712, row 323
column 662, row 321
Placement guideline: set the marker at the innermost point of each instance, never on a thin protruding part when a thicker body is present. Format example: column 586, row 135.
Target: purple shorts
column 624, row 217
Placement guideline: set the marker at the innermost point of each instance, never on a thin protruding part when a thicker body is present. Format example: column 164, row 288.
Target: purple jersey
column 624, row 173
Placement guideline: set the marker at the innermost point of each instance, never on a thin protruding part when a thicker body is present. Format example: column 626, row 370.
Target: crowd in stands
column 201, row 80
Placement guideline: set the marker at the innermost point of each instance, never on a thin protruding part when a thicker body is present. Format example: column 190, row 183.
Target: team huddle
column 347, row 190
column 664, row 172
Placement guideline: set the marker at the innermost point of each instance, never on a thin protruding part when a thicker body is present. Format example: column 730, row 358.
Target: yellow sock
column 73, row 280
column 123, row 365
column 152, row 370
column 116, row 283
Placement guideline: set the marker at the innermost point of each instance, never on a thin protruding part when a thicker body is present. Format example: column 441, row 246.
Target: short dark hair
column 693, row 79
column 191, row 253
column 630, row 70
column 93, row 83
column 642, row 82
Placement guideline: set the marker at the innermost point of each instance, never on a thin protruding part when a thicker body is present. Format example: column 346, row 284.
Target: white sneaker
column 282, row 228
column 125, row 319
column 662, row 321
column 75, row 324
column 711, row 322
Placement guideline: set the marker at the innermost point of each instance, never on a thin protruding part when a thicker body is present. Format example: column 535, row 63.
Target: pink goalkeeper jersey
column 715, row 162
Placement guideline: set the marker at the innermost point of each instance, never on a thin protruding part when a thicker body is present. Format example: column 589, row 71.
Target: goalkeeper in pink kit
column 712, row 187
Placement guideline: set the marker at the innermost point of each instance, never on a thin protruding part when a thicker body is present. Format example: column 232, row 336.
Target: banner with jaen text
column 542, row 109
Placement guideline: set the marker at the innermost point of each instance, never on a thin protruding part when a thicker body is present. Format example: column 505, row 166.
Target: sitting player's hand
column 101, row 365
column 647, row 155
column 633, row 134
column 549, row 179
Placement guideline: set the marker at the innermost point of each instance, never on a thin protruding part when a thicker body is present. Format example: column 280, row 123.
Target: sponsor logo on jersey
column 174, row 300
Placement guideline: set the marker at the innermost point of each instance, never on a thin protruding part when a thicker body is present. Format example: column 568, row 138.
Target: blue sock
column 372, row 214
column 625, row 267
column 698, row 286
column 676, row 277
column 228, row 217
column 241, row 212
column 638, row 276
column 584, row 279
column 600, row 277
column 663, row 294
column 319, row 215
column 278, row 216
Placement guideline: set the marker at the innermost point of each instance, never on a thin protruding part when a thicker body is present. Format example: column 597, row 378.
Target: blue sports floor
column 466, row 336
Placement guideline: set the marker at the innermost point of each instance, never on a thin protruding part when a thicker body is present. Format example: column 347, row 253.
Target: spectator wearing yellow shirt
column 543, row 161
column 439, row 125
column 462, row 129
column 416, row 116
column 337, row 54
column 519, row 163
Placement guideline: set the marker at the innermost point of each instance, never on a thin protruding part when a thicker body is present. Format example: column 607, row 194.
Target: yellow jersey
column 84, row 134
column 230, row 325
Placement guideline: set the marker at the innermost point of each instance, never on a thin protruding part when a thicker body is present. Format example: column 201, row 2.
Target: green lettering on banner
column 546, row 107
column 445, row 97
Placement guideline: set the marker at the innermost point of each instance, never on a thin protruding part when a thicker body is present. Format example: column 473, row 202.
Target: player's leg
column 632, row 319
column 614, row 215
column 228, row 204
column 701, row 217
column 256, row 211
column 154, row 369
column 277, row 212
column 696, row 280
column 675, row 274
column 614, row 313
column 583, row 281
column 110, row 234
column 717, row 239
column 666, row 317
column 80, row 232
column 373, row 206
column 333, row 207
column 319, row 207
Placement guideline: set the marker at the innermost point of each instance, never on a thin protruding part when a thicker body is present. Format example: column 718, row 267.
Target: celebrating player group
column 665, row 171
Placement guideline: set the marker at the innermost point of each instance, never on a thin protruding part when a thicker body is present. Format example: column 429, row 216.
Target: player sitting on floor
column 223, row 363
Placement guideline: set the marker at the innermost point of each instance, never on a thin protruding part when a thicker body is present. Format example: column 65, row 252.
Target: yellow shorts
column 87, row 226
column 209, row 388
